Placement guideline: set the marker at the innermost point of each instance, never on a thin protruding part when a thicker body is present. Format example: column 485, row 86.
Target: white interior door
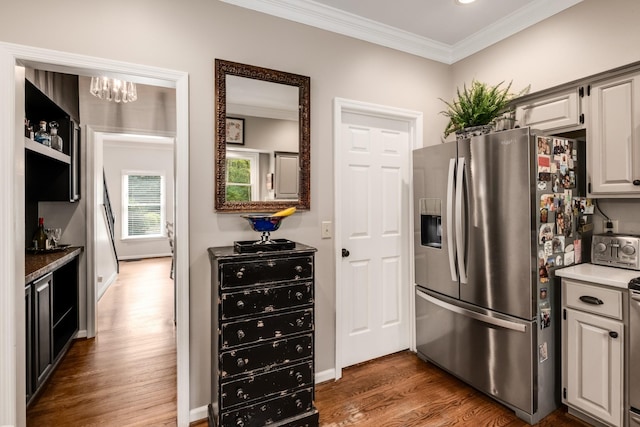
column 375, row 216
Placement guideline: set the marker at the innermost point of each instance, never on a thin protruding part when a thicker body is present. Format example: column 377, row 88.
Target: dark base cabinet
column 262, row 361
column 51, row 308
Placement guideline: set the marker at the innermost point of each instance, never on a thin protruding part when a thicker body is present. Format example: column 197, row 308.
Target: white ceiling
column 435, row 29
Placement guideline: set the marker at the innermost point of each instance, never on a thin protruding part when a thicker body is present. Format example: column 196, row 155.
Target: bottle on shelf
column 56, row 140
column 28, row 129
column 40, row 240
column 42, row 136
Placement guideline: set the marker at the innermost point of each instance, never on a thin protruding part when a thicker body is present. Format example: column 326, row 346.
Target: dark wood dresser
column 262, row 314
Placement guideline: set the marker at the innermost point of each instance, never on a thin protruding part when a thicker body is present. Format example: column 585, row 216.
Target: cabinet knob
column 299, row 296
column 298, row 403
column 299, row 377
column 298, row 268
column 240, row 422
column 240, row 334
column 299, row 323
column 636, row 182
column 613, row 334
column 240, row 394
column 240, row 363
column 299, row 349
column 240, row 304
column 239, row 274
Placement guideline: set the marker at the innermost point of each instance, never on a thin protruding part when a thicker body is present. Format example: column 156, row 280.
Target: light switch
column 326, row 229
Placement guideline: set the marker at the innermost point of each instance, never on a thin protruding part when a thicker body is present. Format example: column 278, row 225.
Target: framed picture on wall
column 235, row 131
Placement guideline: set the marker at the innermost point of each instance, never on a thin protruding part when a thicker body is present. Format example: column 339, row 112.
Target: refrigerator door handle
column 450, row 245
column 462, row 268
column 502, row 323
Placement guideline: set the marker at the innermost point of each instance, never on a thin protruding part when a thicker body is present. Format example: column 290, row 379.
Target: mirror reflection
column 262, row 138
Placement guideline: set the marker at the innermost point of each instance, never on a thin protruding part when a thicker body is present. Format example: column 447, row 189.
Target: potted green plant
column 478, row 106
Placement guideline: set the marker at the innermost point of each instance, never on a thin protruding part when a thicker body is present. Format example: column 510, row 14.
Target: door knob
column 345, row 253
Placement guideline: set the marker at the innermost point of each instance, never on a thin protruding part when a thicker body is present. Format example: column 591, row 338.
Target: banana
column 285, row 212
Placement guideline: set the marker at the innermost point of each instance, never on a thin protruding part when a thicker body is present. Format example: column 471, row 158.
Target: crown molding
column 331, row 19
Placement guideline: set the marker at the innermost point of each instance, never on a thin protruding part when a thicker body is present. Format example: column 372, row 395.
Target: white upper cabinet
column 613, row 137
column 558, row 111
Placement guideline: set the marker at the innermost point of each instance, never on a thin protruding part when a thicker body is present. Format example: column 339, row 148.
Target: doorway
column 372, row 154
column 12, row 405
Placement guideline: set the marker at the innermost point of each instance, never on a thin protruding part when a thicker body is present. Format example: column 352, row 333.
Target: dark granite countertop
column 37, row 265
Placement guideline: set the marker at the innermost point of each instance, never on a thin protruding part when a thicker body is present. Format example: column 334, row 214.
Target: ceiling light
column 461, row 2
column 113, row 89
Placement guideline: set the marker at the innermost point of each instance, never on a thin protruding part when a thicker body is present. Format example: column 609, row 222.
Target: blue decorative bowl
column 263, row 223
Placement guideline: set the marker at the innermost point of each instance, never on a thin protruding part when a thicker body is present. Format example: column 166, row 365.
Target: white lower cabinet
column 593, row 347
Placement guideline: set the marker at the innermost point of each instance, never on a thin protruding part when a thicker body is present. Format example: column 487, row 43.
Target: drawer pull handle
column 299, row 296
column 240, row 304
column 240, row 363
column 239, row 422
column 591, row 300
column 299, row 377
column 613, row 334
column 299, row 348
column 299, row 323
column 239, row 274
column 298, row 268
column 298, row 403
column 240, row 394
column 240, row 334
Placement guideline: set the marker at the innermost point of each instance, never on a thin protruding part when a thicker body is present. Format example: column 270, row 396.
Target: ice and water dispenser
column 431, row 222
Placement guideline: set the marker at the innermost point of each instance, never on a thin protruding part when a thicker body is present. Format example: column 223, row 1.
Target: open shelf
column 36, row 147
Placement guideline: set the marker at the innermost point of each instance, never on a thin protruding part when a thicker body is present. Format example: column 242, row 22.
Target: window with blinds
column 143, row 204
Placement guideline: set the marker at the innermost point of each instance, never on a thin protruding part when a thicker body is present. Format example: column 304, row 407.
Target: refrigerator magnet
column 544, row 145
column 542, row 352
column 558, row 244
column 548, row 249
column 569, row 258
column 543, row 293
column 546, row 233
column 577, row 251
column 544, row 215
column 544, row 176
column 544, row 163
column 542, row 186
column 545, row 315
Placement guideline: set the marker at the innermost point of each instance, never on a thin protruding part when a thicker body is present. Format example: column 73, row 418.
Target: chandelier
column 113, row 89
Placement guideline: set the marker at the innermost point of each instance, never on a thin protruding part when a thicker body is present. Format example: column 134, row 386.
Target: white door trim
column 415, row 122
column 12, row 386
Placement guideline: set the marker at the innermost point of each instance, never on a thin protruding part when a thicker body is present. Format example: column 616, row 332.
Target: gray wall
column 189, row 35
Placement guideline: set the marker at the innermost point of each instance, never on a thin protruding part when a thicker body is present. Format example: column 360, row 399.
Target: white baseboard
column 198, row 414
column 105, row 285
column 328, row 375
column 81, row 333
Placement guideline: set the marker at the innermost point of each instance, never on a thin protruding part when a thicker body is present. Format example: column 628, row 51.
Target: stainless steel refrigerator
column 494, row 216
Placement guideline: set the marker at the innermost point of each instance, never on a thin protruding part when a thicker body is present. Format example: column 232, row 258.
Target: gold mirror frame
column 224, row 68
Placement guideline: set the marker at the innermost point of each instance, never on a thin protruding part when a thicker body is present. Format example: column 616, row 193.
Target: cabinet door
column 595, row 365
column 559, row 111
column 612, row 135
column 42, row 328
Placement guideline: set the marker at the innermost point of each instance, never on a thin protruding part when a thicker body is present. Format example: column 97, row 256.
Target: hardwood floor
column 400, row 390
column 126, row 376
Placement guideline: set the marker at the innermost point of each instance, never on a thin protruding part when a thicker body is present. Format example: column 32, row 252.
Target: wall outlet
column 326, row 230
column 614, row 223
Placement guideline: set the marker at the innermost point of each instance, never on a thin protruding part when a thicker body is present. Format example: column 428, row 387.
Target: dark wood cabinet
column 262, row 355
column 51, row 309
column 43, row 337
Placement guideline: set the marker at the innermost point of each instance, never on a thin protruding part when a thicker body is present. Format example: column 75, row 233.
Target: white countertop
column 610, row 276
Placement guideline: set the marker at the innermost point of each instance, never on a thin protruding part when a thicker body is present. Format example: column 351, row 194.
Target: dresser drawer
column 593, row 299
column 266, row 355
column 270, row 411
column 264, row 385
column 267, row 270
column 265, row 327
column 265, row 300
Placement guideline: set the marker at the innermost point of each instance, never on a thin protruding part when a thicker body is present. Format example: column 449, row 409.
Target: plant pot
column 467, row 133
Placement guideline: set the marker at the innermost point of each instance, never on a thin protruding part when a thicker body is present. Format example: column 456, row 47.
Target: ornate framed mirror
column 269, row 112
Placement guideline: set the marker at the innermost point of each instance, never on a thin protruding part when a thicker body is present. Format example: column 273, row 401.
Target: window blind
column 144, row 205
